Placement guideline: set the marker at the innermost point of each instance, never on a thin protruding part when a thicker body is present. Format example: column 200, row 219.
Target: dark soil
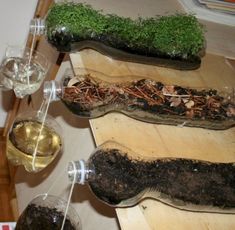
column 191, row 63
column 42, row 218
column 119, row 178
column 63, row 40
column 120, row 51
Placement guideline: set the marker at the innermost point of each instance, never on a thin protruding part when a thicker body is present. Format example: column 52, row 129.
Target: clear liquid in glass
column 23, row 77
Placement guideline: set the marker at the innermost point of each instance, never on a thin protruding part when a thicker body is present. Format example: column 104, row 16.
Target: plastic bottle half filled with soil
column 120, row 178
column 88, row 95
column 47, row 212
column 75, row 26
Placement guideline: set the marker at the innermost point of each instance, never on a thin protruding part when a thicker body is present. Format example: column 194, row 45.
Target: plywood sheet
column 151, row 140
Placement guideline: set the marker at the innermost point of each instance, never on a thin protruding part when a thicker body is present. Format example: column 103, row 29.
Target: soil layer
column 119, row 178
column 42, row 218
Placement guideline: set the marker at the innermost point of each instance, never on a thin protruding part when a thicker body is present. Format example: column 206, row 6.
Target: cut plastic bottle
column 88, row 96
column 47, row 212
column 74, row 26
column 121, row 178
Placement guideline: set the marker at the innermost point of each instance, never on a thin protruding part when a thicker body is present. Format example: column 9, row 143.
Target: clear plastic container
column 23, row 70
column 33, row 142
column 47, row 212
column 120, row 178
column 75, row 26
column 86, row 95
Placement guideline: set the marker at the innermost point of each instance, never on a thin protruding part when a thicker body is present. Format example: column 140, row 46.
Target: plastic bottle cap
column 77, row 169
column 37, row 26
column 82, row 172
column 53, row 91
column 50, row 90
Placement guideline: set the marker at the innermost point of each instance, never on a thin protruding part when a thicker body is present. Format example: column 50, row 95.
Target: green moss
column 177, row 35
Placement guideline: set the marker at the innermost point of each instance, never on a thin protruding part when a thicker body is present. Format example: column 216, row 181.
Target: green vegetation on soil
column 178, row 35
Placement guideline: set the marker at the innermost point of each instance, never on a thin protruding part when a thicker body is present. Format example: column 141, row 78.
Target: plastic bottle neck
column 80, row 170
column 51, row 90
column 37, row 26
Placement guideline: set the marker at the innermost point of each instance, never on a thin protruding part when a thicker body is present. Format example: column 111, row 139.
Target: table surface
column 151, row 140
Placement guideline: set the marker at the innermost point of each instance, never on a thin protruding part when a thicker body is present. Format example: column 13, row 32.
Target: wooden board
column 151, row 140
